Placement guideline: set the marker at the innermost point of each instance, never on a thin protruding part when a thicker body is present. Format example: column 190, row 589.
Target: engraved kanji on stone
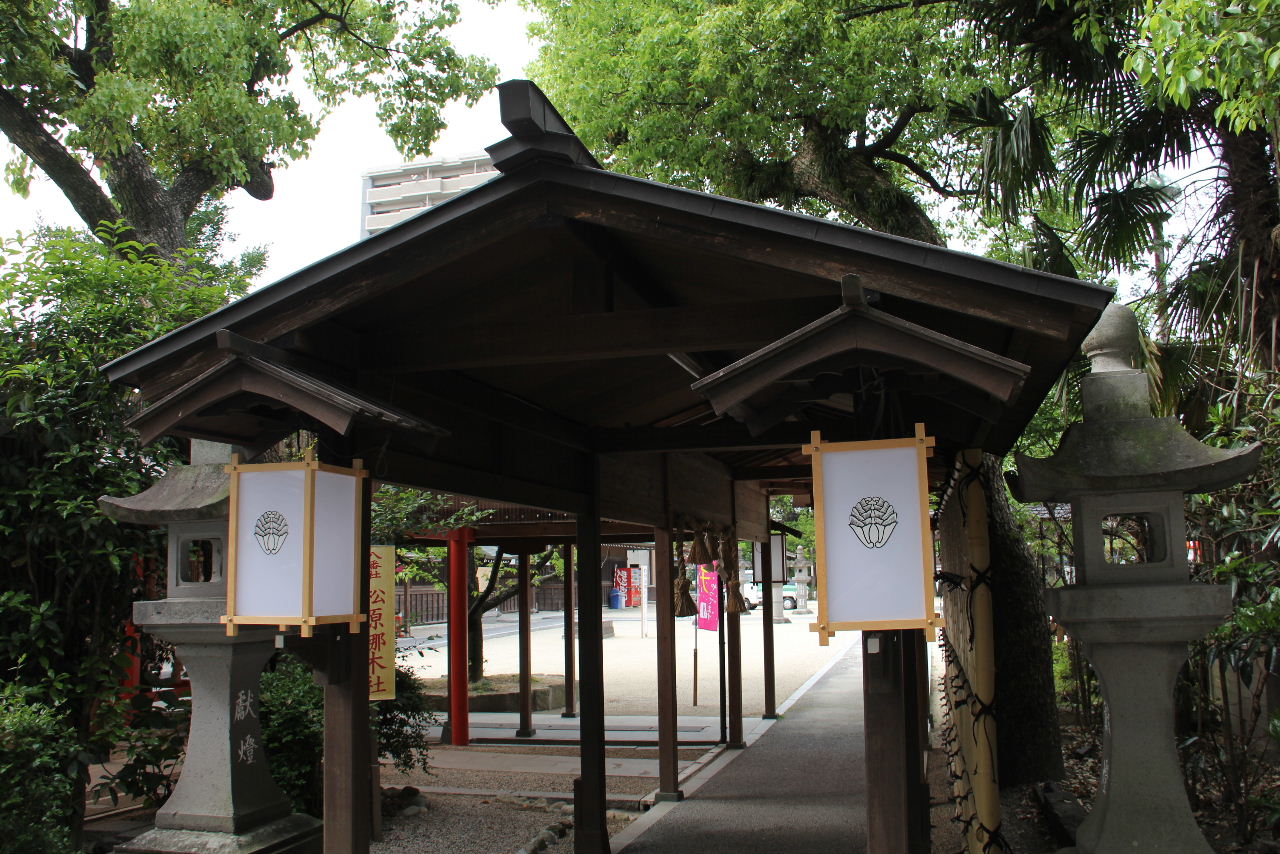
column 244, row 706
column 248, row 750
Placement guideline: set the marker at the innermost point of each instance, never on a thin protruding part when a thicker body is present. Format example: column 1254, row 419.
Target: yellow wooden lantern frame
column 931, row 621
column 307, row 620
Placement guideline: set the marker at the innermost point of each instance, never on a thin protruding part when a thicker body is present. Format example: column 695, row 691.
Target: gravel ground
column 455, row 824
column 510, row 781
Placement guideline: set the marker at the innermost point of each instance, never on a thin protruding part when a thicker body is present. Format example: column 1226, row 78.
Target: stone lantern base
column 294, row 834
column 225, row 799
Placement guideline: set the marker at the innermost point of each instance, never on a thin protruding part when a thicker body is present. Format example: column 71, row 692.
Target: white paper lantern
column 874, row 546
column 293, row 545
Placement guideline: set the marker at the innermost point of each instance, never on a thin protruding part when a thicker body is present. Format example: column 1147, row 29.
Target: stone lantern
column 1123, row 469
column 225, row 798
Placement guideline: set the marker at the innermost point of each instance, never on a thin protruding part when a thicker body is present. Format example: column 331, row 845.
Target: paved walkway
column 551, row 728
column 799, row 787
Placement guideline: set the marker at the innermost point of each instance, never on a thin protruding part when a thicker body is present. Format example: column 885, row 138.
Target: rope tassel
column 684, row 604
column 729, row 573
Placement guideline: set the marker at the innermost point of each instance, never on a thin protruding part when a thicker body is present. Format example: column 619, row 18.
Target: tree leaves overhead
column 1121, row 223
column 800, row 102
column 175, row 101
column 1017, row 149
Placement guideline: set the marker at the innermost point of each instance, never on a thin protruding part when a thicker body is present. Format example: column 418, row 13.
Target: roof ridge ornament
column 538, row 132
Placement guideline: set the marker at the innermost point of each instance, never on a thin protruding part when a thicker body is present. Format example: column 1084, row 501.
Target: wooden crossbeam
column 601, row 335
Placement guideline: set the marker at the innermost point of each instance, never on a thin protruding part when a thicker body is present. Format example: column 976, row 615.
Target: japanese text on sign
column 382, row 623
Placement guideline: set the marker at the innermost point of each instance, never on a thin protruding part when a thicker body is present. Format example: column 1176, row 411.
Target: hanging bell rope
column 684, row 604
column 729, row 570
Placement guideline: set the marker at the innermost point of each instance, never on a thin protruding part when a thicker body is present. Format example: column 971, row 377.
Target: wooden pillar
column 897, row 796
column 765, row 572
column 459, row 713
column 590, row 832
column 733, row 641
column 346, row 801
column 570, row 636
column 525, row 599
column 668, row 767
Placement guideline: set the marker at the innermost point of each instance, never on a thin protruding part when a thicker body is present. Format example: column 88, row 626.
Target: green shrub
column 38, row 761
column 292, row 719
column 154, row 737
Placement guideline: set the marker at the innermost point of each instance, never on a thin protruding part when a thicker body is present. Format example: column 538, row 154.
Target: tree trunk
column 851, row 180
column 1250, row 206
column 475, row 617
column 149, row 206
column 1026, row 707
column 475, row 646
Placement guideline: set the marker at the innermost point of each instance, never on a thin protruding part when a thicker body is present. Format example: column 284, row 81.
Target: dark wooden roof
column 561, row 310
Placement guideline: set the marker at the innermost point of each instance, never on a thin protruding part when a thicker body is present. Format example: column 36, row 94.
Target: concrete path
column 799, row 787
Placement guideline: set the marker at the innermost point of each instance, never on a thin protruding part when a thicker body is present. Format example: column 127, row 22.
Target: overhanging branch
column 32, row 139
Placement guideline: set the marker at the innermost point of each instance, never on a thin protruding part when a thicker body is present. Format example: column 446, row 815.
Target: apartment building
column 392, row 195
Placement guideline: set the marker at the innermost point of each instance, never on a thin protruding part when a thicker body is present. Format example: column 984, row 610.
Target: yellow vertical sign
column 382, row 623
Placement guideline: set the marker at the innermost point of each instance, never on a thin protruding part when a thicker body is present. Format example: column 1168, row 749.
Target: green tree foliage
column 68, row 574
column 292, row 719
column 177, row 101
column 803, row 102
column 1228, row 748
column 398, row 514
column 36, row 746
column 1227, row 47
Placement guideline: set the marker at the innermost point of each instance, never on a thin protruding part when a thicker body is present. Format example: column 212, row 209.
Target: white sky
column 316, row 209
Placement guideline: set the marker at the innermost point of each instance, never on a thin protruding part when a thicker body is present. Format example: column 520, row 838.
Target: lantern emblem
column 271, row 530
column 873, row 520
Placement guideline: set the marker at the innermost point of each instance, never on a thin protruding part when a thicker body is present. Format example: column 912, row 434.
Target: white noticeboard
column 874, row 546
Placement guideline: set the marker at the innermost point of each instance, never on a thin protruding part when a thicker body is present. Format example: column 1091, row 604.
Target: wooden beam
column 547, row 531
column 397, row 466
column 1039, row 315
column 849, row 331
column 452, row 397
column 772, row 473
column 600, row 335
column 724, row 435
column 321, row 292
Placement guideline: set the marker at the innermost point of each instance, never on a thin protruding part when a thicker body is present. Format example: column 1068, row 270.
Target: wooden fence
column 431, row 605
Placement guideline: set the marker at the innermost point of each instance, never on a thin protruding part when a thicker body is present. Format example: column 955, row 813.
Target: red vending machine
column 635, row 586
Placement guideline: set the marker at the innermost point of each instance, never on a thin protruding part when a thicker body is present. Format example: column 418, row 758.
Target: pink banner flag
column 708, row 598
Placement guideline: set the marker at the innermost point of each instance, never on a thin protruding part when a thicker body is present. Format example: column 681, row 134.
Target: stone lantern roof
column 195, row 493
column 1119, row 446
